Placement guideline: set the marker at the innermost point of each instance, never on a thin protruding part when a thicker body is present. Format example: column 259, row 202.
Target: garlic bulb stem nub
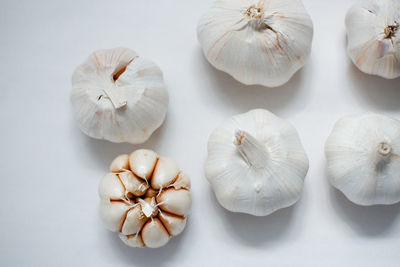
column 115, row 97
column 254, row 12
column 384, row 149
column 391, row 30
column 252, row 151
column 148, row 208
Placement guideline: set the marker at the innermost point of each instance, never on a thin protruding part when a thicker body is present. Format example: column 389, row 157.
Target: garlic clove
column 174, row 224
column 362, row 155
column 143, row 162
column 256, row 163
column 134, row 240
column 135, row 219
column 165, row 172
column 113, row 214
column 154, row 234
column 183, row 181
column 373, row 37
column 120, row 163
column 174, row 201
column 111, row 187
column 133, row 184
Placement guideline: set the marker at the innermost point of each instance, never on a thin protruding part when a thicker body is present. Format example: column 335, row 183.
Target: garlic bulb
column 256, row 163
column 119, row 96
column 145, row 198
column 257, row 41
column 363, row 161
column 373, row 35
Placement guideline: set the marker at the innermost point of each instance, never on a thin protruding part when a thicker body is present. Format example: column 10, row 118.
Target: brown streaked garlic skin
column 373, row 37
column 146, row 198
column 257, row 41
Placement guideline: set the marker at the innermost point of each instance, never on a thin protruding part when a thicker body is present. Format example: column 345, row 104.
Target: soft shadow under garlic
column 241, row 97
column 145, row 256
column 104, row 151
column 380, row 93
column 365, row 220
column 253, row 230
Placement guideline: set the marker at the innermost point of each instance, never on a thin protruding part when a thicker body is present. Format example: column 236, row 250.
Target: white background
column 50, row 170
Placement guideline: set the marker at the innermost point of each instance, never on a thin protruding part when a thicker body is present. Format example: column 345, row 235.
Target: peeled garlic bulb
column 373, row 35
column 119, row 96
column 256, row 163
column 257, row 41
column 363, row 159
column 145, row 198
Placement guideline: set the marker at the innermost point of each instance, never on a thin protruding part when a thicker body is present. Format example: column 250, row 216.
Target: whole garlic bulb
column 363, row 161
column 373, row 35
column 145, row 198
column 256, row 163
column 119, row 96
column 257, row 41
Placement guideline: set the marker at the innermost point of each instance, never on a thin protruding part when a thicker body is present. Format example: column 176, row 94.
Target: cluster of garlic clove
column 373, row 35
column 363, row 158
column 257, row 41
column 119, row 96
column 256, row 163
column 145, row 198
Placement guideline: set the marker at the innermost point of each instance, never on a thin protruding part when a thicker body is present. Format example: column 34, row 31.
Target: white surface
column 50, row 170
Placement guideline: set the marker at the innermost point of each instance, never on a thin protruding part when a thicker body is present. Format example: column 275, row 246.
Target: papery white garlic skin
column 373, row 36
column 257, row 41
column 145, row 215
column 119, row 96
column 256, row 163
column 363, row 159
